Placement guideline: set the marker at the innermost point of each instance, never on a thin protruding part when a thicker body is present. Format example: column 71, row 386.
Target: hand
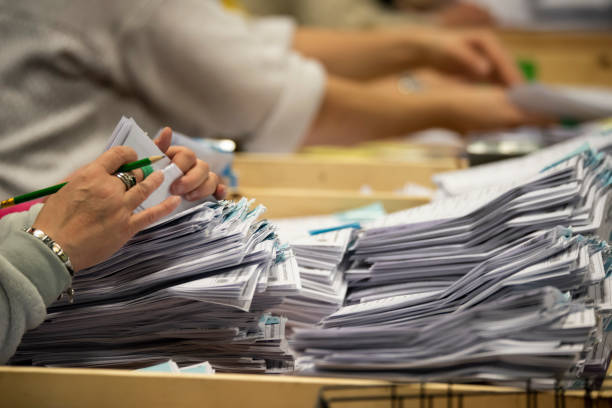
column 484, row 108
column 198, row 182
column 92, row 216
column 475, row 54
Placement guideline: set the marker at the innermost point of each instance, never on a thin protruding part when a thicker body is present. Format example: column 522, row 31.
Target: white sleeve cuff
column 284, row 129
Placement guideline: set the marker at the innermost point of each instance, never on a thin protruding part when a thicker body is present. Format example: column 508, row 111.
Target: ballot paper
column 579, row 103
column 189, row 296
column 128, row 133
column 461, row 181
column 197, row 286
column 505, row 282
column 172, row 367
column 320, row 245
column 319, row 259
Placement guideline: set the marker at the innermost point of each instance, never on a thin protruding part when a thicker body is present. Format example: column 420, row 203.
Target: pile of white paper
column 480, row 285
column 194, row 287
column 430, row 247
column 458, row 182
column 579, row 103
column 319, row 258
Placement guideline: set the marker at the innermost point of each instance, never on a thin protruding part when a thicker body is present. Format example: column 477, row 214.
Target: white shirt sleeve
column 221, row 74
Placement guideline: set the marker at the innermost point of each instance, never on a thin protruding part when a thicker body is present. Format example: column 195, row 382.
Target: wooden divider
column 333, row 173
column 282, row 203
column 300, row 185
column 99, row 388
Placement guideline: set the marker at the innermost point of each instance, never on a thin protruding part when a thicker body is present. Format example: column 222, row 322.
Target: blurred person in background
column 72, row 68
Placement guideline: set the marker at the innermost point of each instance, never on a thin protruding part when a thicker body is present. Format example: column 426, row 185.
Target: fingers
column 114, row 157
column 503, row 65
column 471, row 60
column 137, row 194
column 192, row 179
column 520, row 117
column 207, row 188
column 183, row 157
column 138, row 174
column 164, row 139
column 149, row 216
column 220, row 192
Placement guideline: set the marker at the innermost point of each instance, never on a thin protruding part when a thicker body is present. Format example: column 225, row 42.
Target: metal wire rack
column 522, row 394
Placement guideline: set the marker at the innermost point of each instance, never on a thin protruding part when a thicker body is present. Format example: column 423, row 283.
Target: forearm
column 31, row 277
column 361, row 54
column 352, row 112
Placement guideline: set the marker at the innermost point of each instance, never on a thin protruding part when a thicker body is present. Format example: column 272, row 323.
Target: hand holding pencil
column 147, row 161
column 198, row 182
column 91, row 217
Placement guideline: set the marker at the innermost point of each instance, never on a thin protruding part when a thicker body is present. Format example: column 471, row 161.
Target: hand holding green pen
column 92, row 215
column 54, row 189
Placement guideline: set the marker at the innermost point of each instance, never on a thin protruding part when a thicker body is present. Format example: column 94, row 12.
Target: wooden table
column 36, row 387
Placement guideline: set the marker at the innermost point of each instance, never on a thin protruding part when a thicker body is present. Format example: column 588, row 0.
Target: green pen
column 54, row 189
column 139, row 163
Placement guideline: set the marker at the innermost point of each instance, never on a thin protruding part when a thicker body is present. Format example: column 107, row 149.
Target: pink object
column 19, row 207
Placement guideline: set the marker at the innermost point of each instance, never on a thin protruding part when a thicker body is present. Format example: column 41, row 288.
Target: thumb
column 163, row 139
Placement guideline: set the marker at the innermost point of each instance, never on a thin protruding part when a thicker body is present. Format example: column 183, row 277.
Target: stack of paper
column 319, row 258
column 194, row 287
column 430, row 247
column 481, row 285
column 536, row 333
column 461, row 181
column 579, row 103
column 320, row 244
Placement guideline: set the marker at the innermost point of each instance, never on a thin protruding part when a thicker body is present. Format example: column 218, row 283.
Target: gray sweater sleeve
column 31, row 278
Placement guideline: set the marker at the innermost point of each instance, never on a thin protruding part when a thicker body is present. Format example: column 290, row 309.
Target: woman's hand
column 475, row 54
column 92, row 216
column 198, row 182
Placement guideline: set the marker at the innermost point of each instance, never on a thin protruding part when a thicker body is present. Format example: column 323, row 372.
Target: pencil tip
column 153, row 159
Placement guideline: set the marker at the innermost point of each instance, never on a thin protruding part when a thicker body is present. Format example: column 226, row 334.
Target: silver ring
column 128, row 179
